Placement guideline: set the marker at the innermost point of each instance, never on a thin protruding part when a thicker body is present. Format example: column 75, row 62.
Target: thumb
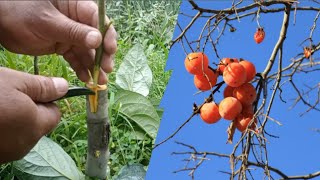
column 38, row 88
column 44, row 89
column 72, row 32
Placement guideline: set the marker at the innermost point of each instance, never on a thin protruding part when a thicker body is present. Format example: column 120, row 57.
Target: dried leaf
column 230, row 131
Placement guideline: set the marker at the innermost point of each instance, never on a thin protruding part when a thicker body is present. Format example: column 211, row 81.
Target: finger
column 66, row 30
column 82, row 60
column 38, row 88
column 84, row 56
column 62, row 48
column 48, row 116
column 81, row 71
column 107, row 63
column 102, row 77
column 110, row 40
column 44, row 89
column 87, row 12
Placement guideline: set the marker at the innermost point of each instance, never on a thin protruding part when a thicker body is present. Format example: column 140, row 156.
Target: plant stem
column 98, row 136
column 35, row 65
column 98, row 57
column 97, row 112
column 99, row 51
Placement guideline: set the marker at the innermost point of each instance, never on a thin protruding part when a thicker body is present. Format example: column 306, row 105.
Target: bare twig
column 195, row 112
column 35, row 65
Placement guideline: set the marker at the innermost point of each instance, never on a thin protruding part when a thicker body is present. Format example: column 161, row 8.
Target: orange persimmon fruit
column 228, row 91
column 224, row 63
column 245, row 93
column 206, row 80
column 196, row 63
column 247, row 109
column 307, row 52
column 259, row 35
column 243, row 120
column 250, row 69
column 234, row 75
column 230, row 108
column 209, row 113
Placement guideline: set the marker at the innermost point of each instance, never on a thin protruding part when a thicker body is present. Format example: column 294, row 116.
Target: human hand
column 26, row 111
column 67, row 28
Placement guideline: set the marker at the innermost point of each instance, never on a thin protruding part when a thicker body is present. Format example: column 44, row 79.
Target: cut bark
column 98, row 137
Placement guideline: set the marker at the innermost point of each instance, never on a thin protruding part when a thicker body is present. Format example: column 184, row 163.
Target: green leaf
column 138, row 135
column 138, row 109
column 134, row 74
column 9, row 176
column 160, row 112
column 47, row 160
column 155, row 103
column 132, row 172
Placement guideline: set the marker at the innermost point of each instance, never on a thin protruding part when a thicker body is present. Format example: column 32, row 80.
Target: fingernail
column 93, row 39
column 61, row 86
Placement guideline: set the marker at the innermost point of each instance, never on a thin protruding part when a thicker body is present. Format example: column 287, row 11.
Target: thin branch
column 241, row 9
column 35, row 65
column 195, row 112
column 187, row 27
column 269, row 167
column 283, row 32
column 309, row 176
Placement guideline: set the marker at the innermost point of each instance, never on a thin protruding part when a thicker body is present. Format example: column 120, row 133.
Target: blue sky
column 295, row 152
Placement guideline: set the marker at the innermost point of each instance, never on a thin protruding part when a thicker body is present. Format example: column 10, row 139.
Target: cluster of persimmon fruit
column 239, row 94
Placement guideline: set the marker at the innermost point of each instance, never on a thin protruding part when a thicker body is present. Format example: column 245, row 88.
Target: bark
column 98, row 137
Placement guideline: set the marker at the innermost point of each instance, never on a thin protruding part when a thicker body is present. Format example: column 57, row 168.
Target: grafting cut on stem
column 103, row 28
column 97, row 112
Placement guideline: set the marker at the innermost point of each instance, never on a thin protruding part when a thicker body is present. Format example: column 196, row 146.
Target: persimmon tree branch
column 188, row 27
column 278, row 47
column 308, row 176
column 200, row 156
column 196, row 110
column 233, row 10
column 240, row 12
column 297, row 66
column 279, row 44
